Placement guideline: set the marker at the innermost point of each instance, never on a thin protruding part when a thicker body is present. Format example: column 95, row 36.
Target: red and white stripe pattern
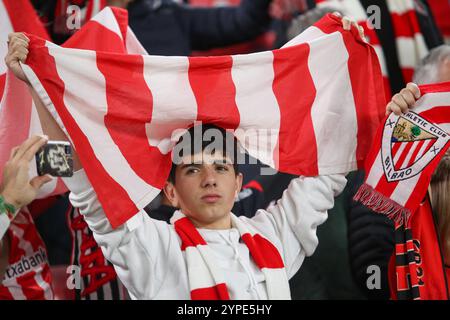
column 18, row 117
column 206, row 281
column 28, row 275
column 99, row 279
column 108, row 31
column 307, row 100
column 398, row 198
column 410, row 43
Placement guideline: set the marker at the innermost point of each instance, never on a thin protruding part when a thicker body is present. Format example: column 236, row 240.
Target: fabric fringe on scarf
column 382, row 204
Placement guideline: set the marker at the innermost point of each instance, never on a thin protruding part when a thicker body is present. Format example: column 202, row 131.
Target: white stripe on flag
column 376, row 171
column 399, row 152
column 133, row 45
column 174, row 103
column 409, row 155
column 404, row 189
column 254, row 89
column 432, row 100
column 107, row 19
column 73, row 70
column 422, row 150
column 5, row 29
column 333, row 104
column 308, row 35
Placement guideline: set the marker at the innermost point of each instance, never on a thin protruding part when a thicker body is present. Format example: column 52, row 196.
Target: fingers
column 405, row 99
column 13, row 152
column 408, row 96
column 19, row 35
column 28, row 149
column 392, row 107
column 39, row 181
column 18, row 47
column 400, row 102
column 346, row 23
column 414, row 88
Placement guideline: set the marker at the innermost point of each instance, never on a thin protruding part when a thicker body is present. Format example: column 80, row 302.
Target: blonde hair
column 440, row 201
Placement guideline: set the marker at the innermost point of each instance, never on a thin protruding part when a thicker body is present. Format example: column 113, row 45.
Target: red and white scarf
column 405, row 153
column 207, row 282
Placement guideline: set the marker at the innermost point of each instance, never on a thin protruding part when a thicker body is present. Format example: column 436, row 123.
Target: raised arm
column 294, row 219
column 133, row 254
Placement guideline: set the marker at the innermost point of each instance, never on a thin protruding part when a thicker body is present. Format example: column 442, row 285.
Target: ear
column 239, row 179
column 171, row 194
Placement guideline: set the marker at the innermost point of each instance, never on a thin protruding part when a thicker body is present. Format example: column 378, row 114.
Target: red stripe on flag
column 217, row 292
column 95, row 36
column 413, row 159
column 216, row 99
column 399, row 163
column 98, row 176
column 15, row 117
column 127, row 117
column 263, row 252
column 370, row 100
column 2, row 84
column 387, row 188
column 122, row 19
column 295, row 92
column 439, row 114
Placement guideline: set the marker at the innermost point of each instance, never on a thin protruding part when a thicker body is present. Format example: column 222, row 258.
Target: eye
column 192, row 170
column 222, row 167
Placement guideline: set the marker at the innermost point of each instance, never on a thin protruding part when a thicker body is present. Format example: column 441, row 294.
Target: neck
column 220, row 224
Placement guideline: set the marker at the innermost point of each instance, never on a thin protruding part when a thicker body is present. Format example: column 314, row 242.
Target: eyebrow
column 198, row 165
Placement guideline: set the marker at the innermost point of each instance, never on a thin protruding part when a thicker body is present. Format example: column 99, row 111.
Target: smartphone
column 55, row 158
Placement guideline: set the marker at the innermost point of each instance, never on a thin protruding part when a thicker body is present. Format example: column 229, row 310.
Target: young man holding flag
column 207, row 252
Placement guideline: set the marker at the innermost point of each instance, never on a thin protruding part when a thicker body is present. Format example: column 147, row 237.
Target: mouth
column 211, row 198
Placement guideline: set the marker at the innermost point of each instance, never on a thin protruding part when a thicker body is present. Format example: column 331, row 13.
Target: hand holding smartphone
column 55, row 158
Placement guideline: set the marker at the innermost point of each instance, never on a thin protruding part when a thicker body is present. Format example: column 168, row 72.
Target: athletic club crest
column 409, row 144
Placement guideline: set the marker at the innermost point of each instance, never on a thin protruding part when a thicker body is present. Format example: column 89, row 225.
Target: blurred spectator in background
column 441, row 12
column 24, row 268
column 167, row 27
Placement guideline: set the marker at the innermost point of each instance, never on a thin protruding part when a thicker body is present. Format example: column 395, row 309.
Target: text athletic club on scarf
column 320, row 97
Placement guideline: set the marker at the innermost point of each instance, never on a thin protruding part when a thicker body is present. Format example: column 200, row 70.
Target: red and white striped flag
column 318, row 101
column 108, row 31
column 405, row 154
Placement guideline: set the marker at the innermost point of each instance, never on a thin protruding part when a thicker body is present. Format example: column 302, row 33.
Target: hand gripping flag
column 405, row 153
column 318, row 101
column 108, row 31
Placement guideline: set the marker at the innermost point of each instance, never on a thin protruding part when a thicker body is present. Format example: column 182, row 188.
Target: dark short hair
column 230, row 145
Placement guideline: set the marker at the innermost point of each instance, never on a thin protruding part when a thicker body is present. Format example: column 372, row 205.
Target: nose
column 209, row 178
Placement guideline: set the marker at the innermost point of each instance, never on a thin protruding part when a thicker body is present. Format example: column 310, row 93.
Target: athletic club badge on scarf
column 405, row 153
